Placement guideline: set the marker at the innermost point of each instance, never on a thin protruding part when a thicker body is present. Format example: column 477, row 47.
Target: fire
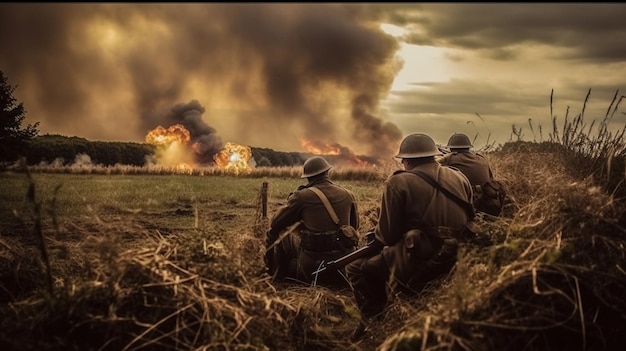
column 234, row 158
column 343, row 153
column 184, row 168
column 172, row 147
column 175, row 133
column 319, row 148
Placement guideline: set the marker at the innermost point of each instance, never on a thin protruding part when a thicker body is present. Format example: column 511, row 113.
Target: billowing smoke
column 267, row 75
column 204, row 139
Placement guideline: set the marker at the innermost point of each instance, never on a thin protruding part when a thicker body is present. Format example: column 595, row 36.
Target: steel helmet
column 459, row 141
column 418, row 145
column 314, row 166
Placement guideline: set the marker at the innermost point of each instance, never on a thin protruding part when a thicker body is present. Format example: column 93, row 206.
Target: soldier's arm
column 388, row 227
column 287, row 215
column 354, row 214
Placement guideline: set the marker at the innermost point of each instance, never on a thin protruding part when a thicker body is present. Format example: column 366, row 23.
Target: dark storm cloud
column 464, row 97
column 275, row 58
column 483, row 108
column 592, row 31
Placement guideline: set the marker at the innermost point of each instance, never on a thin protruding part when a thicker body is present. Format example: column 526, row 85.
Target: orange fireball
column 234, row 158
column 161, row 136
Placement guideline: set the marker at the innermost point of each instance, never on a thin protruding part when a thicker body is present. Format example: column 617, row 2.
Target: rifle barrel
column 351, row 257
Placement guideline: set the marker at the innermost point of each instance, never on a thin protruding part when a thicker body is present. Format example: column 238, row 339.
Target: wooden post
column 264, row 199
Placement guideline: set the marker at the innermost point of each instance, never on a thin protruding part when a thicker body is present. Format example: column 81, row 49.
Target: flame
column 161, row 136
column 173, row 150
column 318, row 148
column 183, row 167
column 234, row 158
column 345, row 155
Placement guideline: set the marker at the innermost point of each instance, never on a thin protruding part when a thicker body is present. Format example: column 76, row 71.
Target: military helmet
column 418, row 145
column 459, row 141
column 314, row 166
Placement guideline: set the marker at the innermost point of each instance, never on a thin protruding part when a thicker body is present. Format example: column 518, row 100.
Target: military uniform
column 475, row 166
column 307, row 211
column 409, row 202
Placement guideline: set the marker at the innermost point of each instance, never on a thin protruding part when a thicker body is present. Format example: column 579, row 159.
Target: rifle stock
column 351, row 257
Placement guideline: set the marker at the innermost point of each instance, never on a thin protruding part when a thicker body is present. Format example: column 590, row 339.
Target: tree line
column 48, row 148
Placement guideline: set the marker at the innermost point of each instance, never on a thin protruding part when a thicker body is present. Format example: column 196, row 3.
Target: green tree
column 13, row 137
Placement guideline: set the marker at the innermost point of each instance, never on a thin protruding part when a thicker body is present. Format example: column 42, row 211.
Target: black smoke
column 272, row 73
column 203, row 138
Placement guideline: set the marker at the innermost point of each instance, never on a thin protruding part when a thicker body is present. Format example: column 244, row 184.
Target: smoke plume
column 264, row 75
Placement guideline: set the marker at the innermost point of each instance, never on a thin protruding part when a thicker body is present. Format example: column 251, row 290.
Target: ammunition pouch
column 422, row 249
column 342, row 239
column 490, row 197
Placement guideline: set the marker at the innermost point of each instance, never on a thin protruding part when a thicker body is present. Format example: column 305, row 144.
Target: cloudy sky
column 283, row 76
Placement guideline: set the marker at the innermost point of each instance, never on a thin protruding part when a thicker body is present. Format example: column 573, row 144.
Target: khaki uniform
column 307, row 212
column 475, row 167
column 409, row 202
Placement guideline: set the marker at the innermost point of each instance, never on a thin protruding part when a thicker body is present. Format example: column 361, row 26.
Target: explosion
column 175, row 133
column 174, row 149
column 234, row 158
column 172, row 146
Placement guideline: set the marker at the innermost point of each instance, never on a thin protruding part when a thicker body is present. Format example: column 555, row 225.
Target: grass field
column 162, row 201
column 174, row 262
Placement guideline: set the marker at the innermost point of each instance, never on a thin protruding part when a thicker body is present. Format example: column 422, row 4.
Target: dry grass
column 550, row 278
column 354, row 173
column 548, row 275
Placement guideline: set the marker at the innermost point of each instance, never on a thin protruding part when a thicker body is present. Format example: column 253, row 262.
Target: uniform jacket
column 304, row 205
column 408, row 202
column 474, row 166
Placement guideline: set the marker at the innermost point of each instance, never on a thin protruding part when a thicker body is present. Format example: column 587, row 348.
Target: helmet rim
column 418, row 141
column 459, row 141
column 315, row 165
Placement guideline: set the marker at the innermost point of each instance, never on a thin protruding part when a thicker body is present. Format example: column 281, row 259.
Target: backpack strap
column 327, row 204
column 468, row 207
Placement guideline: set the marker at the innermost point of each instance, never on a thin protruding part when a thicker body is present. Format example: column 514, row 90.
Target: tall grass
column 591, row 148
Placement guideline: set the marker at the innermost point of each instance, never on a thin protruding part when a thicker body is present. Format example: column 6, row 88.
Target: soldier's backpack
column 489, row 197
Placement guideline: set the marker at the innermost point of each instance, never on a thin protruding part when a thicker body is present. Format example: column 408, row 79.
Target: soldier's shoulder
column 342, row 188
column 480, row 155
column 453, row 168
column 398, row 172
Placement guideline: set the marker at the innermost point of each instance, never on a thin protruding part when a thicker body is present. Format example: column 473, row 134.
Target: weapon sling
column 468, row 207
column 323, row 265
column 327, row 204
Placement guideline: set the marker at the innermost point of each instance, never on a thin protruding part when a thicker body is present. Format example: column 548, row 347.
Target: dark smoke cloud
column 204, row 139
column 266, row 73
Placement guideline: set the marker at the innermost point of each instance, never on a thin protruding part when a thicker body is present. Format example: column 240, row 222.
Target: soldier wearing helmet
column 418, row 228
column 303, row 232
column 475, row 166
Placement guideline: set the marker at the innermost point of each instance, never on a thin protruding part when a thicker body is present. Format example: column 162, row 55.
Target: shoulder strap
column 468, row 207
column 327, row 204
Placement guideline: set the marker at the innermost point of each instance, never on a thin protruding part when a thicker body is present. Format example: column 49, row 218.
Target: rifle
column 443, row 149
column 367, row 250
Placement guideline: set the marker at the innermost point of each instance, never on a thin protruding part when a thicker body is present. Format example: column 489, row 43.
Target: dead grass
column 548, row 275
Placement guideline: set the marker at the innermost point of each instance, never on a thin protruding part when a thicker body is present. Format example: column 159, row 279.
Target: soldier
column 475, row 166
column 424, row 210
column 317, row 209
column 477, row 169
